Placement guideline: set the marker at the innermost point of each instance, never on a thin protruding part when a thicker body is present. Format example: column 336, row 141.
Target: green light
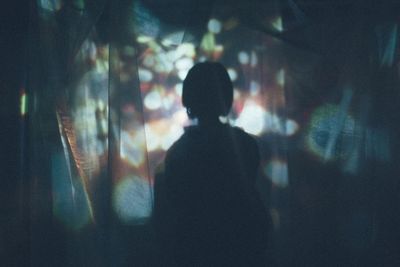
column 23, row 104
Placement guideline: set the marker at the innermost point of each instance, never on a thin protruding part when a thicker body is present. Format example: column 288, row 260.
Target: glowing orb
column 132, row 200
column 214, row 26
column 145, row 75
column 153, row 100
column 243, row 58
column 291, row 127
column 252, row 118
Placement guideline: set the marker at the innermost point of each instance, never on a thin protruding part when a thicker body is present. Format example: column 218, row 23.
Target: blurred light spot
column 214, row 26
column 253, row 59
column 152, row 139
column 23, row 103
column 223, row 119
column 184, row 63
column 180, row 117
column 326, row 121
column 149, row 61
column 273, row 123
column 243, row 58
column 202, row 58
column 218, row 50
column 291, row 127
column 232, row 74
column 236, row 94
column 277, row 24
column 280, row 77
column 182, row 74
column 208, row 42
column 132, row 200
column 186, row 49
column 143, row 39
column 178, row 89
column 145, row 75
column 167, row 102
column 132, row 148
column 254, row 88
column 163, row 65
column 153, row 100
column 277, row 171
column 252, row 118
column 51, row 5
column 173, row 134
column 173, row 38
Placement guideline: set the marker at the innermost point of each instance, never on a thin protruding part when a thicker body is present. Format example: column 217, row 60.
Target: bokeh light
column 132, row 200
column 277, row 171
column 133, row 147
column 331, row 133
column 252, row 118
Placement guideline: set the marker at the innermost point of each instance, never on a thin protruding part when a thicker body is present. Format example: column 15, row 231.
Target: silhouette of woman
column 207, row 212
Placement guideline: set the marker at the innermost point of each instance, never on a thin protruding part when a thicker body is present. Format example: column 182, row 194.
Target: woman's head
column 207, row 91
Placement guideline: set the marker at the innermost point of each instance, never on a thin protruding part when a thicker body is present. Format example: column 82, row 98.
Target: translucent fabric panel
column 102, row 105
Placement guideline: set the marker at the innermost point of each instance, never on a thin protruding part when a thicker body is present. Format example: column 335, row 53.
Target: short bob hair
column 207, row 91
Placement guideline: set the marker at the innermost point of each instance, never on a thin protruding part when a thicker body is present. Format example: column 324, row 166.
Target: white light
column 163, row 64
column 252, row 118
column 180, row 117
column 232, row 74
column 153, row 100
column 186, row 49
column 291, row 127
column 182, row 74
column 178, row 89
column 167, row 102
column 184, row 63
column 152, row 139
column 214, row 26
column 145, row 75
column 243, row 58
